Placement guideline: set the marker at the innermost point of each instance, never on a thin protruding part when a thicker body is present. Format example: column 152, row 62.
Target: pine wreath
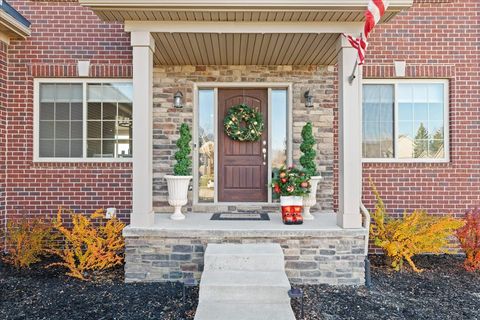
column 239, row 115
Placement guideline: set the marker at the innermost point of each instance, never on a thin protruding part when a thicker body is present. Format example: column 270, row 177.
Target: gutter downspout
column 366, row 225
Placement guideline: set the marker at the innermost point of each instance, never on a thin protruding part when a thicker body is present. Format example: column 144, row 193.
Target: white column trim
column 349, row 138
column 143, row 48
column 316, row 27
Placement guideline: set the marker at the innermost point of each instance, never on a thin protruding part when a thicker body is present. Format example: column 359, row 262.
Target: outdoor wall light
column 178, row 100
column 308, row 99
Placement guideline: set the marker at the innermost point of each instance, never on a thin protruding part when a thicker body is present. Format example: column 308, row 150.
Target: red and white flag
column 376, row 10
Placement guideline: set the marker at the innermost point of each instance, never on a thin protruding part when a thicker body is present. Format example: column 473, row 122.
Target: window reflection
column 206, row 143
column 109, row 115
column 420, row 118
column 378, row 104
column 279, row 128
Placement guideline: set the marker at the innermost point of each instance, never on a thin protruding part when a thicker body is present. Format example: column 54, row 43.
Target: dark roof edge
column 8, row 9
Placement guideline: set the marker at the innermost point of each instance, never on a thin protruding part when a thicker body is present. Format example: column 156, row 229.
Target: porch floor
column 324, row 225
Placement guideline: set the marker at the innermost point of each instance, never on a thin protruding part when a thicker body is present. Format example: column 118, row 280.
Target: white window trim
column 446, row 118
column 36, row 120
column 221, row 85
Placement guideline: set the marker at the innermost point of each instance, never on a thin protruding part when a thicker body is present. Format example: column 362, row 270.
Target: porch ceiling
column 245, row 49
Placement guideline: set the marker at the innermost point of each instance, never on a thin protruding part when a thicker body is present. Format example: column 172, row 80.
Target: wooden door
column 242, row 168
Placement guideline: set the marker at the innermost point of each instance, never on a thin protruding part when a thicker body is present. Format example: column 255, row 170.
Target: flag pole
column 353, row 76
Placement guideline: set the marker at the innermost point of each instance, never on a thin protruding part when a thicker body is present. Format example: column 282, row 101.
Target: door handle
column 264, row 151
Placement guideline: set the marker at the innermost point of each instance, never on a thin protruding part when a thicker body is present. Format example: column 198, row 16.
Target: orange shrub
column 415, row 233
column 469, row 238
column 92, row 243
column 27, row 241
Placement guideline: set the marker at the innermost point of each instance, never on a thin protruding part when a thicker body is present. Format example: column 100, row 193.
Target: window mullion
column 84, row 122
column 395, row 120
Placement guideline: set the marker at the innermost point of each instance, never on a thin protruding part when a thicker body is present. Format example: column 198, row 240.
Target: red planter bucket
column 292, row 208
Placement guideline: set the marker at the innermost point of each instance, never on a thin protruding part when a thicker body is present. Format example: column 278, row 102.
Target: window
column 405, row 120
column 279, row 126
column 206, row 143
column 81, row 119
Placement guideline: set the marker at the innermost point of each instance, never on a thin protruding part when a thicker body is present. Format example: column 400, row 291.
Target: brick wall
column 62, row 33
column 437, row 39
column 3, row 94
column 167, row 80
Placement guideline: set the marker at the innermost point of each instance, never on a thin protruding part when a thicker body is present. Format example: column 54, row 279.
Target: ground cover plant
column 412, row 234
column 469, row 238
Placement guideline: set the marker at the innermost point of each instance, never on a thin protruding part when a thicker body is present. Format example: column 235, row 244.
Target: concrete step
column 245, row 286
column 245, row 257
column 232, row 310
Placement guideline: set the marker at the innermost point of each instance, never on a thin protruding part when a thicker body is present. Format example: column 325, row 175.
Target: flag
column 375, row 11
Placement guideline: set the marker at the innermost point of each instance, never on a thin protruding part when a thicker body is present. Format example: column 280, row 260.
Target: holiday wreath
column 239, row 115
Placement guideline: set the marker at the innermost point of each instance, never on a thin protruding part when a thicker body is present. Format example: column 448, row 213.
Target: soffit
column 245, row 49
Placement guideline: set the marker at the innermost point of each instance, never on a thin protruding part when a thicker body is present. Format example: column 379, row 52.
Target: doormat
column 240, row 216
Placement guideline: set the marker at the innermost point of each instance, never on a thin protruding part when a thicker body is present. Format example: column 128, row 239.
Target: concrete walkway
column 244, row 282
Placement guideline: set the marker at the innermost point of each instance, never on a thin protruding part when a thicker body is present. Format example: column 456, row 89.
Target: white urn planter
column 311, row 199
column 290, row 201
column 178, row 194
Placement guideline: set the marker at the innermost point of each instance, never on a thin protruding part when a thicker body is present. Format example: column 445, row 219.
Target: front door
column 242, row 166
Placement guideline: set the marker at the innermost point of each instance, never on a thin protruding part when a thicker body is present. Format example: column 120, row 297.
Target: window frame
column 36, row 120
column 446, row 120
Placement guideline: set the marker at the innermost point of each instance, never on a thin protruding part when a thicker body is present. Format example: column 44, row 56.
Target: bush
column 469, row 238
column 307, row 160
column 92, row 243
column 27, row 241
column 291, row 181
column 184, row 163
column 413, row 234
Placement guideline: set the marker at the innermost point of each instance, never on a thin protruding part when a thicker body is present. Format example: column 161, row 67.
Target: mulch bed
column 41, row 293
column 443, row 291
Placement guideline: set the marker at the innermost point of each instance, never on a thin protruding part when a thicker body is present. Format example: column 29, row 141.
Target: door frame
column 247, row 85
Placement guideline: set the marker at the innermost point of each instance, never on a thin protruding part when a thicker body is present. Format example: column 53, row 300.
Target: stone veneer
column 169, row 79
column 333, row 257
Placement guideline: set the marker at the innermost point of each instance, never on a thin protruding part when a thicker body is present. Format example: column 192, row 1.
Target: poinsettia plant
column 291, row 181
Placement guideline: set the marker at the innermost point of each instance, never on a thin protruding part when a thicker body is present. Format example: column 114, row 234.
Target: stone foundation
column 333, row 256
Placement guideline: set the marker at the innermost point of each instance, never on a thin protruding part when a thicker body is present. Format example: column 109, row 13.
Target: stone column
column 143, row 47
column 349, row 138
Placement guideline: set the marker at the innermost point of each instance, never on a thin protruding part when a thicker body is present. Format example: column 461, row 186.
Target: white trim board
column 241, row 4
column 244, row 27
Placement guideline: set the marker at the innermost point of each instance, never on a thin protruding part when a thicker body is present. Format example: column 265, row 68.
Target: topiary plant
column 307, row 160
column 184, row 163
